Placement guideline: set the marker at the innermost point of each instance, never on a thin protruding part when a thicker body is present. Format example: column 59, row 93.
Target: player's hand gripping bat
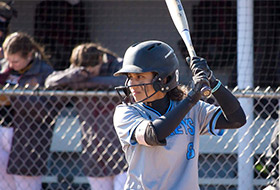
column 179, row 18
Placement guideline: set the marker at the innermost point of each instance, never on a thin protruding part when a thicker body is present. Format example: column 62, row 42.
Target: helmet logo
column 169, row 53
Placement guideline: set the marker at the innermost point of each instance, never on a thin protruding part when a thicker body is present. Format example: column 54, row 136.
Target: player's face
column 143, row 91
column 17, row 62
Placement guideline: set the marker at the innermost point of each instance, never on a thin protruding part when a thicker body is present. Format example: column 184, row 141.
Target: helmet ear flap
column 158, row 83
column 171, row 82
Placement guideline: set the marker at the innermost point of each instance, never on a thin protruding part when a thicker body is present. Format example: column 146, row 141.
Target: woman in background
column 91, row 68
column 26, row 136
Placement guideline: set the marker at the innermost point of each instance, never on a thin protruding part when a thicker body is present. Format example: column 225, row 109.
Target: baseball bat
column 180, row 21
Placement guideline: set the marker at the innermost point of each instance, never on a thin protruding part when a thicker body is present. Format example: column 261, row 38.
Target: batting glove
column 199, row 80
column 198, row 64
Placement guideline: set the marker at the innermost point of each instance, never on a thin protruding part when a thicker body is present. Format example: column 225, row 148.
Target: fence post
column 278, row 137
column 244, row 80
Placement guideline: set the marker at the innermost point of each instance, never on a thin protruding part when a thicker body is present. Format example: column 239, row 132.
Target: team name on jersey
column 186, row 127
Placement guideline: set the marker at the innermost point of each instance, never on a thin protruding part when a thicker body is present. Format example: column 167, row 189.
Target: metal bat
column 179, row 18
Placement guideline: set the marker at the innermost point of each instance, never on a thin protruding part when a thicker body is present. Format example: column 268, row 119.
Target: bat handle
column 205, row 91
column 185, row 34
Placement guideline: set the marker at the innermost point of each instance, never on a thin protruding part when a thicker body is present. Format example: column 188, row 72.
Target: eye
column 140, row 76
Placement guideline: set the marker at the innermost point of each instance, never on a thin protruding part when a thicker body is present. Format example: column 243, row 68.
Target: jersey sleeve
column 208, row 115
column 126, row 120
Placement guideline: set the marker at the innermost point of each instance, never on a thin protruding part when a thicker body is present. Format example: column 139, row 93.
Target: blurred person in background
column 6, row 14
column 25, row 150
column 91, row 68
column 60, row 25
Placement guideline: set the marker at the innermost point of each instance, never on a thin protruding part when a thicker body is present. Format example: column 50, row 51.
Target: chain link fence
column 70, row 135
column 62, row 135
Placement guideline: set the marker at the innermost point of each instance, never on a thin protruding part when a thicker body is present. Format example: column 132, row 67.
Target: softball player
column 159, row 131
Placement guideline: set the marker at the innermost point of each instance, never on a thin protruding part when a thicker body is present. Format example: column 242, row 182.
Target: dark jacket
column 31, row 122
column 102, row 154
column 78, row 78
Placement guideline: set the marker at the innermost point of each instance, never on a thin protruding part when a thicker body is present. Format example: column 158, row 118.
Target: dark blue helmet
column 151, row 56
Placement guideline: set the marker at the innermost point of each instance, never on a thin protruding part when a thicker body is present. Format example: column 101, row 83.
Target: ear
column 30, row 56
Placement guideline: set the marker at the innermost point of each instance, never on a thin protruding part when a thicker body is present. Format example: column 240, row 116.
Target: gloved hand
column 199, row 80
column 198, row 64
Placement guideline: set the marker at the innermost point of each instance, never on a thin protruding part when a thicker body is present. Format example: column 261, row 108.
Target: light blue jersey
column 169, row 167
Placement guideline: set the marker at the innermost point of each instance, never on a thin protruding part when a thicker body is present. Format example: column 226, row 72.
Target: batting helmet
column 152, row 56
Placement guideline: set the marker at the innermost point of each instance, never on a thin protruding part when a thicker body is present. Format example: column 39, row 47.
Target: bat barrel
column 180, row 21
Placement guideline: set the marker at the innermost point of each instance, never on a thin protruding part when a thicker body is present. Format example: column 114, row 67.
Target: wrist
column 212, row 80
column 193, row 97
column 217, row 86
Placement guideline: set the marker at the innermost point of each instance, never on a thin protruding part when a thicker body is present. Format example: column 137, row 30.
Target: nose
column 131, row 82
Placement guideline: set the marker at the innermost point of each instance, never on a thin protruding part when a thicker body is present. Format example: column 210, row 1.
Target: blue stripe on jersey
column 132, row 142
column 221, row 132
column 214, row 121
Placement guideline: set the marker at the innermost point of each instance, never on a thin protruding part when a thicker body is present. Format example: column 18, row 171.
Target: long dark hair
column 178, row 93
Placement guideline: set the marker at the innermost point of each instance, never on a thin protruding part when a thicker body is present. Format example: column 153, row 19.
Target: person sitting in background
column 91, row 68
column 25, row 150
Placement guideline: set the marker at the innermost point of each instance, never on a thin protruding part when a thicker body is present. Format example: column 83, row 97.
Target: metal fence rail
column 83, row 140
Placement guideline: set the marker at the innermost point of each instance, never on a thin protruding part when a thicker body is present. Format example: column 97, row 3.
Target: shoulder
column 112, row 65
column 127, row 112
column 136, row 106
column 46, row 67
column 41, row 66
column 124, row 108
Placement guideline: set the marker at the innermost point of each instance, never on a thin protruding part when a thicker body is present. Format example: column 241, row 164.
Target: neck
column 161, row 105
column 26, row 68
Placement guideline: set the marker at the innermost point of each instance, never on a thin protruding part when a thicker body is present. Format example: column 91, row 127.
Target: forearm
column 66, row 77
column 156, row 131
column 234, row 116
column 167, row 123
